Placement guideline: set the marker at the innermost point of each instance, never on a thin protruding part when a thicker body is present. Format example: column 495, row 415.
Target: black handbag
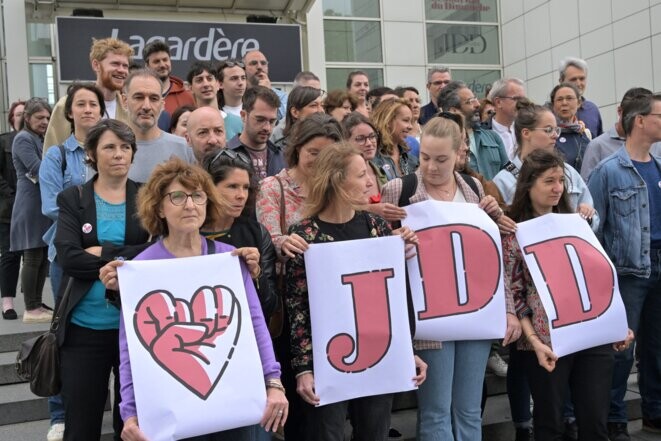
column 38, row 359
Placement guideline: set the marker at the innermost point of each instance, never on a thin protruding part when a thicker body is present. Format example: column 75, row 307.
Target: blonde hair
column 100, row 48
column 384, row 114
column 325, row 185
column 190, row 176
column 443, row 128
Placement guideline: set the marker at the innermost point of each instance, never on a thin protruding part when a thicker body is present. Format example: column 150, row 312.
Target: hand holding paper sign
column 293, row 244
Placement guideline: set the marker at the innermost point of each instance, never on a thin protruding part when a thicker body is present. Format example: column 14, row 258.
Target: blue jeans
column 55, row 405
column 450, row 396
column 642, row 301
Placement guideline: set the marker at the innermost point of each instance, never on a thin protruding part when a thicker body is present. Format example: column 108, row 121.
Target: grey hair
column 141, row 73
column 433, row 70
column 578, row 63
column 499, row 87
column 304, row 76
column 32, row 106
column 449, row 95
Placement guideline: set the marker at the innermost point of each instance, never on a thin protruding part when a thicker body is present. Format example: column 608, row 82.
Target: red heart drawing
column 193, row 341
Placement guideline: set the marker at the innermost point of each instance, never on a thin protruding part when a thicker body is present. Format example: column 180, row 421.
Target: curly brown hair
column 151, row 194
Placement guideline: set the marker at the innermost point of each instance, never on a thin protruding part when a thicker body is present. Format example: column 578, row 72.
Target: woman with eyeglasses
column 28, row 224
column 449, row 400
column 362, row 135
column 233, row 178
column 394, row 121
column 177, row 200
column 280, row 204
column 535, row 128
column 95, row 225
column 574, row 137
column 302, row 102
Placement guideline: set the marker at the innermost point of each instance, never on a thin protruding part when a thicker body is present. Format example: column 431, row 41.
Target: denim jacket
column 491, row 154
column 621, row 198
column 52, row 181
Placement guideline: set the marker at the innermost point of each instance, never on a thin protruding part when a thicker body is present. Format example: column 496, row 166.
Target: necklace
column 442, row 194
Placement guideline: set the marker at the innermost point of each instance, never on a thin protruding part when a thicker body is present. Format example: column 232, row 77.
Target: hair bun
column 524, row 103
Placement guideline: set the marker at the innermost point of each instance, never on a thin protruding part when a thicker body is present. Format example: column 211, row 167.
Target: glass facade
column 483, row 11
column 351, row 8
column 462, row 35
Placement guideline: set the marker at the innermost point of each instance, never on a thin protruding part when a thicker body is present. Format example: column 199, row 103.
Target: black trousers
column 86, row 358
column 587, row 376
column 10, row 264
column 370, row 418
column 33, row 276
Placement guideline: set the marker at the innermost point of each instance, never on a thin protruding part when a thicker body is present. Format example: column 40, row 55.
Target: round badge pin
column 87, row 228
column 562, row 139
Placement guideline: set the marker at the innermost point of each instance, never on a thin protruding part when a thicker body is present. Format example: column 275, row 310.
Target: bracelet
column 275, row 384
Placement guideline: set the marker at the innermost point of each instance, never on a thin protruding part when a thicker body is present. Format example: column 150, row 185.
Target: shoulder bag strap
column 211, row 246
column 283, row 221
column 471, row 183
column 409, row 186
column 63, row 152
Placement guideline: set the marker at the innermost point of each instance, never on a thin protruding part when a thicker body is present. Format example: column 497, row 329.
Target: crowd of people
column 142, row 164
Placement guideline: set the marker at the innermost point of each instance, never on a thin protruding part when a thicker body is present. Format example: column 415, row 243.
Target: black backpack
column 410, row 185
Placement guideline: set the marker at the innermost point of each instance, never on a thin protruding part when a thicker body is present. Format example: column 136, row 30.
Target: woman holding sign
column 339, row 183
column 173, row 205
column 541, row 190
column 449, row 401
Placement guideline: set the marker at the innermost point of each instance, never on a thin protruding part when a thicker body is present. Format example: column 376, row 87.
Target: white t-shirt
column 111, row 109
column 233, row 110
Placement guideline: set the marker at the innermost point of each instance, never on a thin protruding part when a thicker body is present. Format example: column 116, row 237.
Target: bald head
column 205, row 131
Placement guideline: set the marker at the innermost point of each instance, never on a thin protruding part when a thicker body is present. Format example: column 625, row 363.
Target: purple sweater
column 270, row 366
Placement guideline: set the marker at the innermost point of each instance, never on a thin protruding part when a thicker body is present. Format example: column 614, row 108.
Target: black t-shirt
column 356, row 228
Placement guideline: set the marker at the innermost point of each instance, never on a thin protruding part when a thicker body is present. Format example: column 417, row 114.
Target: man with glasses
column 611, row 140
column 258, row 66
column 575, row 71
column 505, row 94
column 437, row 79
column 204, row 81
column 143, row 99
column 487, row 154
column 259, row 115
column 205, row 132
column 626, row 188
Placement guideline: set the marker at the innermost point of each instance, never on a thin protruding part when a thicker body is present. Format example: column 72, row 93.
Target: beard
column 108, row 82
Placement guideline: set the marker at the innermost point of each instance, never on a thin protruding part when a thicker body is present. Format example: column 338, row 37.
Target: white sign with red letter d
column 576, row 281
column 457, row 277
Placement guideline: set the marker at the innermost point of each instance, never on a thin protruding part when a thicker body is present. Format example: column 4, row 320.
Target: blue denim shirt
column 491, row 155
column 621, row 198
column 52, row 181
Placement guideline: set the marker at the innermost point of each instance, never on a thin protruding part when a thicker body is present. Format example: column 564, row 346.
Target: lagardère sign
column 189, row 42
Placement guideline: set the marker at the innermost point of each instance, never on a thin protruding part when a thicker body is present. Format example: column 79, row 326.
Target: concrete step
column 7, row 370
column 36, row 430
column 18, row 405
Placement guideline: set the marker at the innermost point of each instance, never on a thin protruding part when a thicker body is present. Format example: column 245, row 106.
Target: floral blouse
column 296, row 297
column 269, row 200
column 519, row 286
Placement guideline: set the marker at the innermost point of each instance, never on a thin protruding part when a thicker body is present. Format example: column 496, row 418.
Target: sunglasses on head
column 233, row 155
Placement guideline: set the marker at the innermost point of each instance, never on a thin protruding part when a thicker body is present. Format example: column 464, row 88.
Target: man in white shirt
column 504, row 95
column 232, row 83
column 109, row 58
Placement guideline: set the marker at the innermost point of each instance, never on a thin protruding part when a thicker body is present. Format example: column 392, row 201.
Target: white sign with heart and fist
column 194, row 358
